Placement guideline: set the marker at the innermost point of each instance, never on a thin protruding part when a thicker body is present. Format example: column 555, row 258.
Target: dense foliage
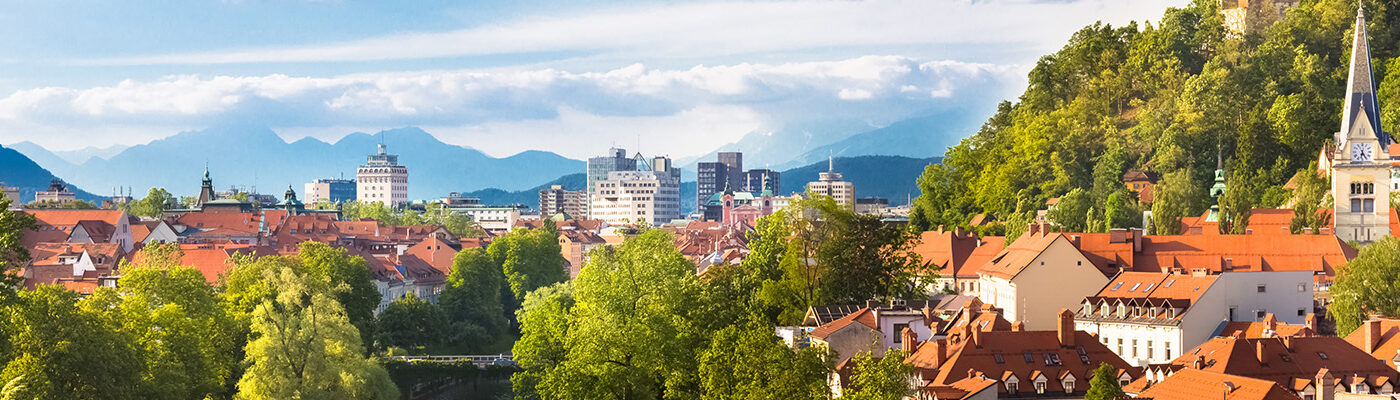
column 1366, row 285
column 435, row 214
column 1175, row 100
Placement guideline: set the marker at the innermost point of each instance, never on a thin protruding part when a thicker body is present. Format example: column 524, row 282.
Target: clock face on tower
column 1361, row 152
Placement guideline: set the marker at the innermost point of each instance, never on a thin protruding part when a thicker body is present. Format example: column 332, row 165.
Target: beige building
column 629, row 196
column 829, row 184
column 11, row 193
column 557, row 200
column 58, row 192
column 1038, row 275
column 1360, row 162
column 382, row 180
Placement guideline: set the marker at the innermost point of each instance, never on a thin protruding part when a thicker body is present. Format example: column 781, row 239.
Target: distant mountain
column 919, row 137
column 19, row 171
column 256, row 157
column 890, row 177
column 531, row 196
column 45, row 156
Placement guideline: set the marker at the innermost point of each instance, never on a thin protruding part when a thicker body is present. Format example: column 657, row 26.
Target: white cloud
column 709, row 29
column 677, row 111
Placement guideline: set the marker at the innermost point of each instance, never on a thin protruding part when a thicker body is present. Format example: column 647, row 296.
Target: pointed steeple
column 1361, row 87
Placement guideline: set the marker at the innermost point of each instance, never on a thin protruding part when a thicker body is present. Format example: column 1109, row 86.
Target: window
column 1120, row 345
column 1116, row 286
column 1011, row 387
column 1302, row 312
column 1135, row 286
column 1135, row 354
column 1259, row 288
column 998, row 358
column 1052, row 359
column 1259, row 314
column 899, row 332
column 1169, row 283
column 1069, row 385
column 1149, row 349
column 1322, row 355
column 1302, row 287
column 1167, row 346
column 1029, row 357
column 1040, row 387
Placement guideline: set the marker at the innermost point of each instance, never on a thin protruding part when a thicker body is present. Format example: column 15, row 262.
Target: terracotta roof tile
column 863, row 316
column 1192, row 384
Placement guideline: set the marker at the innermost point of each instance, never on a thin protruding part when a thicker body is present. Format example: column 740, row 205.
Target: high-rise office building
column 382, row 179
column 624, row 197
column 599, row 167
column 709, row 179
column 556, row 200
column 759, row 180
column 829, row 183
column 734, row 167
column 330, row 190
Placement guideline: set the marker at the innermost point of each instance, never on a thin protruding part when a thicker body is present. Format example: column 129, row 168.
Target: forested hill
column 1162, row 98
column 19, row 171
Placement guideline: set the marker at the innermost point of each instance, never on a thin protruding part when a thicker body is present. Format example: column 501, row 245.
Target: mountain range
column 252, row 156
column 17, row 170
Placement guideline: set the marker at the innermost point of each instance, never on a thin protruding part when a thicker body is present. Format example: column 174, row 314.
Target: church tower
column 1360, row 165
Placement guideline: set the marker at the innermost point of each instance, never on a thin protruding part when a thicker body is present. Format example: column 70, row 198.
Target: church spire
column 1361, row 88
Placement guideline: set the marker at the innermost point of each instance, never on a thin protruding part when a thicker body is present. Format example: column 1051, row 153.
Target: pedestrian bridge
column 477, row 360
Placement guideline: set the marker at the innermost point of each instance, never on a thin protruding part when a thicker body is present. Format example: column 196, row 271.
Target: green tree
column 1307, row 200
column 544, row 317
column 472, row 300
column 460, row 225
column 747, row 361
column 1236, row 206
column 1174, row 198
column 1071, row 210
column 1104, row 385
column 1365, row 285
column 306, row 348
column 153, row 205
column 13, row 254
column 55, row 350
column 176, row 320
column 628, row 332
column 349, row 278
column 530, row 259
column 1121, row 212
column 882, row 378
column 411, row 323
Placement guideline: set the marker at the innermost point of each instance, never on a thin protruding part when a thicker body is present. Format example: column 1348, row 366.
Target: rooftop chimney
column 1373, row 335
column 1311, row 322
column 1018, row 326
column 1229, row 387
column 872, row 304
column 1199, row 363
column 1270, row 325
column 940, row 352
column 1325, row 385
column 1066, row 328
column 1117, row 235
column 1259, row 353
column 909, row 342
column 1033, row 229
column 976, row 337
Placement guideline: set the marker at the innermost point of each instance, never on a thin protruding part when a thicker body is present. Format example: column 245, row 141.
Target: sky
column 573, row 77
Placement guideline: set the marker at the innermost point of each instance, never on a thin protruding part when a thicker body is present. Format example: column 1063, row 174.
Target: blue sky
column 506, row 76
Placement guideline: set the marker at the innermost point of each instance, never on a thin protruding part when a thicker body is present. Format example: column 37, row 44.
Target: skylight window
column 1149, row 287
column 1029, row 357
column 1135, row 286
column 998, row 358
column 1322, row 355
column 1169, row 283
column 1116, row 286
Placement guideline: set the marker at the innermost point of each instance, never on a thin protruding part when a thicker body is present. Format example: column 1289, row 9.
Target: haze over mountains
column 255, row 157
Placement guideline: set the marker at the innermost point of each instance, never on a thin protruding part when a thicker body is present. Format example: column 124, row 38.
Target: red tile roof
column 1285, row 359
column 863, row 316
column 1387, row 339
column 1014, row 258
column 1192, row 384
column 1004, row 354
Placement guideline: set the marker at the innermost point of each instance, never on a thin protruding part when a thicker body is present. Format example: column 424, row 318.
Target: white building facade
column 1151, row 318
column 630, row 196
column 382, row 180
